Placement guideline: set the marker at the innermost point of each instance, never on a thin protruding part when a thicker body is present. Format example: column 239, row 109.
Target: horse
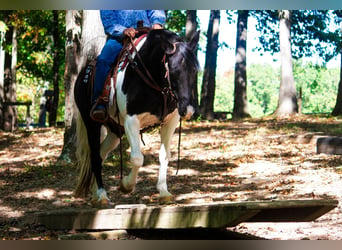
column 153, row 88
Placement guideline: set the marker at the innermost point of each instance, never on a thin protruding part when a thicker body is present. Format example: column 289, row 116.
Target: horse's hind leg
column 132, row 128
column 166, row 132
column 100, row 197
column 110, row 143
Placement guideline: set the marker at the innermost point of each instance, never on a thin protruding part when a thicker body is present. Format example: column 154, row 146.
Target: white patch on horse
column 147, row 119
column 120, row 96
column 189, row 112
column 166, row 131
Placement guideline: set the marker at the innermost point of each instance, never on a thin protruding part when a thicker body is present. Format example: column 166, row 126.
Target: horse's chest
column 147, row 120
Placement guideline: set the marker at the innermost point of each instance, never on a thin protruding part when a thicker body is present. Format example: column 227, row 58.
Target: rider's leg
column 103, row 65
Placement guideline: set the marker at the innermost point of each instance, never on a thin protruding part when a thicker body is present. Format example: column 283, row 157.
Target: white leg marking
column 109, row 144
column 100, row 198
column 102, row 195
column 132, row 128
column 166, row 133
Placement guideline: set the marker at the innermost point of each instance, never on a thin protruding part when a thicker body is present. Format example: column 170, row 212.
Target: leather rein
column 166, row 91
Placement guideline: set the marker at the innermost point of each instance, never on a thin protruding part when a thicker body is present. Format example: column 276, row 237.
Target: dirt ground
column 250, row 160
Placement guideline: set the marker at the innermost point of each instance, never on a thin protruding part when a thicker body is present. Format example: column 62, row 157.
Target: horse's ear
column 194, row 40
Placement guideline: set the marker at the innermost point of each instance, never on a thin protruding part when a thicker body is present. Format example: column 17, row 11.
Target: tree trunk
column 72, row 59
column 84, row 41
column 55, row 69
column 2, row 69
column 338, row 106
column 287, row 103
column 240, row 109
column 10, row 121
column 93, row 36
column 208, row 84
column 190, row 29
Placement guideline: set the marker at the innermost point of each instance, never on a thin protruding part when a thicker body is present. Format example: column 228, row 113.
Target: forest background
column 41, row 38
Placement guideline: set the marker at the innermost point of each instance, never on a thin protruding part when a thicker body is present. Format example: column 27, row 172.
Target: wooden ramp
column 215, row 215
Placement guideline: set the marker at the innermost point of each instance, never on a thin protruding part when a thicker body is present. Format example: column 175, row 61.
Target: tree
column 338, row 106
column 55, row 69
column 9, row 113
column 84, row 41
column 240, row 109
column 39, row 53
column 287, row 102
column 208, row 84
column 309, row 36
column 72, row 59
column 3, row 29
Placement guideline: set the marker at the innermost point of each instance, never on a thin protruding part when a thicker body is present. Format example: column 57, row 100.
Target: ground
column 250, row 160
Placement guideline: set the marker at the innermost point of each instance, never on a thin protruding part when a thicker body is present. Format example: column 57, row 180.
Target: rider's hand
column 130, row 32
column 157, row 26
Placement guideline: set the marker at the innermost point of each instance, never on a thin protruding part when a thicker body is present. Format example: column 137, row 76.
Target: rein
column 167, row 92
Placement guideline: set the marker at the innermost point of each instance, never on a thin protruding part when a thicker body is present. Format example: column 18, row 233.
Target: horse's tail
column 86, row 176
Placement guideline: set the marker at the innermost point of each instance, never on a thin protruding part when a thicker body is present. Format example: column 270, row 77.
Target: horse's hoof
column 103, row 203
column 166, row 200
column 125, row 190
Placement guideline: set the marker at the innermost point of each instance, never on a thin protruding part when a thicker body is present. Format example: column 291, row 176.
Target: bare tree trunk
column 10, row 121
column 190, row 29
column 55, row 68
column 240, row 109
column 338, row 106
column 2, row 68
column 287, row 103
column 209, row 75
column 72, row 58
column 84, row 41
column 93, row 36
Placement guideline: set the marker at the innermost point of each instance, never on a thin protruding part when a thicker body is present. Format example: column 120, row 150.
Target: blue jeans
column 104, row 63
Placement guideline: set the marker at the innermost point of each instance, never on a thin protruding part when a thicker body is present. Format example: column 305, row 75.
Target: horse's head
column 183, row 66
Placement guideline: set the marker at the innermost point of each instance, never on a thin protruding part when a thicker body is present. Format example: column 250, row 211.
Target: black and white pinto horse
column 172, row 64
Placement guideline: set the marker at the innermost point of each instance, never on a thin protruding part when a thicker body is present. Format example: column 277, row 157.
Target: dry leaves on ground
column 257, row 159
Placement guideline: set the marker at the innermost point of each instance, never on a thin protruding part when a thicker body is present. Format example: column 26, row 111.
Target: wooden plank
column 294, row 211
column 215, row 215
column 329, row 145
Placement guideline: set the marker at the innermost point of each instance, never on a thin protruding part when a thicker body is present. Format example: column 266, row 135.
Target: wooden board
column 329, row 145
column 215, row 215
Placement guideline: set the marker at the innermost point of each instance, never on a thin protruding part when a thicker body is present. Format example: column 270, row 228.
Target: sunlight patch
column 187, row 171
column 44, row 194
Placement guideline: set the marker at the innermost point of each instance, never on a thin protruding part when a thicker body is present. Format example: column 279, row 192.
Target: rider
column 117, row 24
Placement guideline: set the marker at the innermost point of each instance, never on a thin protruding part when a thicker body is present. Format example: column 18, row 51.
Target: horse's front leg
column 166, row 132
column 132, row 128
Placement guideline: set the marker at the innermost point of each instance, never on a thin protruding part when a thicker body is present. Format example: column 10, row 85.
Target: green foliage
column 176, row 20
column 35, row 57
column 3, row 27
column 224, row 93
column 319, row 88
column 310, row 33
column 262, row 90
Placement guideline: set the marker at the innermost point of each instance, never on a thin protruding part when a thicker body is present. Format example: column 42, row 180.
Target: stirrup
column 93, row 112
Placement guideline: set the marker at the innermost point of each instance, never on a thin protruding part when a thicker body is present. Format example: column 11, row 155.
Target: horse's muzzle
column 187, row 113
